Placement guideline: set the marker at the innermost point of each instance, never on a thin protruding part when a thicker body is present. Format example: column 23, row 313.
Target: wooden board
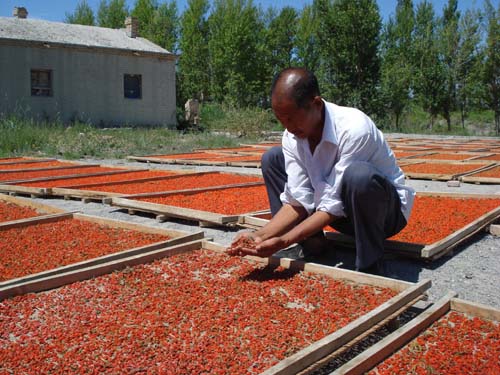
column 407, row 292
column 370, row 358
column 469, row 177
column 13, row 287
column 478, row 166
column 98, row 195
column 153, row 159
column 439, row 248
column 25, row 161
column 129, row 202
column 40, row 207
column 414, row 250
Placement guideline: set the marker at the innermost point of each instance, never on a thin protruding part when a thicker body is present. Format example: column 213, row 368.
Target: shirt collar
column 329, row 125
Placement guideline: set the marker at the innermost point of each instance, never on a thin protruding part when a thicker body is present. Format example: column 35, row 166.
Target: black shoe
column 376, row 268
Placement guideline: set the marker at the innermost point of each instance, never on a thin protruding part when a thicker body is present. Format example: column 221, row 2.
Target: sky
column 55, row 10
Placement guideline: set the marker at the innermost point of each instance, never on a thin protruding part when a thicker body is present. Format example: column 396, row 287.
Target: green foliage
column 306, row 40
column 492, row 62
column 112, row 13
column 397, row 68
column 350, row 64
column 144, row 12
column 243, row 121
column 235, row 52
column 21, row 136
column 83, row 14
column 194, row 78
column 430, row 77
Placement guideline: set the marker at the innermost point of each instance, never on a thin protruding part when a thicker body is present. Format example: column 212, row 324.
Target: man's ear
column 317, row 102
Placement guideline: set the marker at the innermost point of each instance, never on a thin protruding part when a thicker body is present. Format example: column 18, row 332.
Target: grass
column 27, row 137
column 221, row 127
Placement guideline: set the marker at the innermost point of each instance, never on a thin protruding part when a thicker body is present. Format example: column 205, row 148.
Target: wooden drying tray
column 438, row 248
column 370, row 358
column 173, row 160
column 163, row 212
column 443, row 176
column 11, row 187
column 26, row 161
column 431, row 251
column 472, row 157
column 23, row 284
column 23, row 202
column 69, row 192
column 469, row 177
column 51, row 168
column 408, row 294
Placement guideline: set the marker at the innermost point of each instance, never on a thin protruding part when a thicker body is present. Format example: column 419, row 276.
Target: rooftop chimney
column 132, row 27
column 20, row 12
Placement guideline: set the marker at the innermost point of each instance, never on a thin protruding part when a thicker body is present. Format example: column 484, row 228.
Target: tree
column 163, row 28
column 112, row 13
column 280, row 39
column 397, row 68
column 194, row 78
column 492, row 62
column 468, row 64
column 235, row 52
column 350, row 64
column 429, row 72
column 306, row 40
column 83, row 14
column 449, row 40
column 144, row 12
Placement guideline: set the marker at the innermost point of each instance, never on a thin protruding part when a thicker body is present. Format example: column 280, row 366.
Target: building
column 58, row 71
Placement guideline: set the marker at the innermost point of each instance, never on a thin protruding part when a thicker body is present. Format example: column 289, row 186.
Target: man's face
column 301, row 122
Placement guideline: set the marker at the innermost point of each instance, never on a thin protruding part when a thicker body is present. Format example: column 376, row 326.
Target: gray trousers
column 371, row 203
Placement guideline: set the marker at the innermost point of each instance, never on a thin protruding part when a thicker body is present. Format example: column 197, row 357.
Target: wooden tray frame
column 370, row 358
column 96, row 195
column 443, row 176
column 164, row 211
column 27, row 161
column 173, row 160
column 15, row 286
column 43, row 209
column 469, row 177
column 430, row 252
column 408, row 293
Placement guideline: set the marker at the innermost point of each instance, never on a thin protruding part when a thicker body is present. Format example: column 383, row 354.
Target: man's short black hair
column 304, row 90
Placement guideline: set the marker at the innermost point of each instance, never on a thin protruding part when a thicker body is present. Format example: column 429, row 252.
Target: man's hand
column 243, row 242
column 265, row 248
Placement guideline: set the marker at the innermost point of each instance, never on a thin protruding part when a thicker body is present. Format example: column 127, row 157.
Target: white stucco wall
column 87, row 85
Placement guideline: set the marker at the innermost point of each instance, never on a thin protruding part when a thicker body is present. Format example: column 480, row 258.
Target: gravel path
column 471, row 269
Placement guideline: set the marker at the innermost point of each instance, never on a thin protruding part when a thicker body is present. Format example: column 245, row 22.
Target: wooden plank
column 63, row 177
column 439, row 248
column 27, row 161
column 475, row 309
column 40, row 207
column 57, row 280
column 370, row 358
column 82, row 194
column 77, row 166
column 431, row 251
column 176, row 237
column 35, row 220
column 330, row 343
column 377, row 353
column 192, row 191
column 6, row 188
column 173, row 211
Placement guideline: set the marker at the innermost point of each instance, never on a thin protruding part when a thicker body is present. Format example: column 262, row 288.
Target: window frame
column 128, row 94
column 38, row 90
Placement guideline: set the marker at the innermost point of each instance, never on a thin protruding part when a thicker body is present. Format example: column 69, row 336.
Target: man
column 334, row 168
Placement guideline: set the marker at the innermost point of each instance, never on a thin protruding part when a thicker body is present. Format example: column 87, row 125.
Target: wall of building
column 88, row 86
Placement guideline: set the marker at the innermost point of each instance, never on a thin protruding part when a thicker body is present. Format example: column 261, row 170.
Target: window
column 41, row 82
column 132, row 86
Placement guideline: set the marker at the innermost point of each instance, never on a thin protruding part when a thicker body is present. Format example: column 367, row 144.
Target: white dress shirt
column 314, row 180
